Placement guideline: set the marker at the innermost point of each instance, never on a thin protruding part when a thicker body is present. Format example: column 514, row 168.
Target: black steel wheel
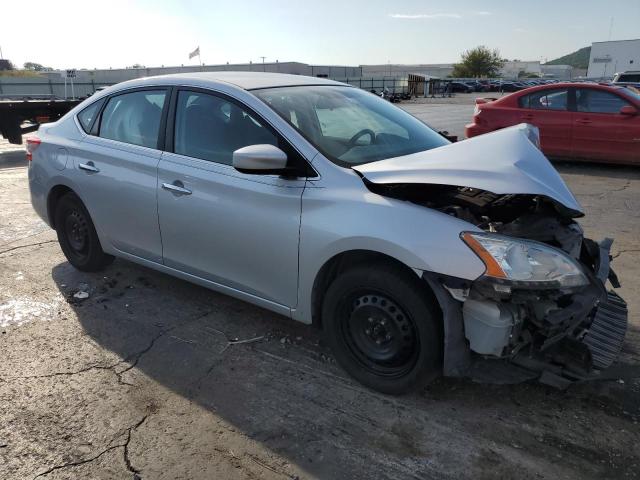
column 77, row 235
column 381, row 336
column 383, row 327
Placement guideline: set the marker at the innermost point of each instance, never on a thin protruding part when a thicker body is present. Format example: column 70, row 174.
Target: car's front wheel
column 383, row 328
column 77, row 235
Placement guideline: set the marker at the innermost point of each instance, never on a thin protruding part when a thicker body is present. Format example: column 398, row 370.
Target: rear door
column 600, row 131
column 116, row 171
column 238, row 230
column 549, row 111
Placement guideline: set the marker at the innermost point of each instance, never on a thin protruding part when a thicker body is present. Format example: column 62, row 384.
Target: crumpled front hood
column 501, row 162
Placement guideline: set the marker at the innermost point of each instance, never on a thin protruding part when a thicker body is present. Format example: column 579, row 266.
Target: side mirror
column 260, row 160
column 628, row 110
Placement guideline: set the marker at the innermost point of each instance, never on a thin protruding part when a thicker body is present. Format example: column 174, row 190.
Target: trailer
column 21, row 116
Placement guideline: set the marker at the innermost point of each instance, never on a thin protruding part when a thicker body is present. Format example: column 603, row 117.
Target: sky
column 118, row 33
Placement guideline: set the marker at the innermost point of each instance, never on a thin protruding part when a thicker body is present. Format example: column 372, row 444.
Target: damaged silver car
column 417, row 257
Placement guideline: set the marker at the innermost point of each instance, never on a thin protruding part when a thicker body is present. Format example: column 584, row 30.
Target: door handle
column 176, row 187
column 584, row 121
column 89, row 167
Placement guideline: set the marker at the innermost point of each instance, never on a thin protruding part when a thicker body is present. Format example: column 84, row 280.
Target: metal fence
column 378, row 84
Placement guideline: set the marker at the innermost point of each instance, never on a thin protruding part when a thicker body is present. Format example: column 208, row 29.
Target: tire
column 77, row 235
column 383, row 328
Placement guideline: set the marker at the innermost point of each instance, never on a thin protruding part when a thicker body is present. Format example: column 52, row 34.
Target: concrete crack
column 140, row 354
column 125, row 453
column 195, row 385
column 57, row 374
column 28, row 245
column 136, row 357
column 132, row 360
column 75, row 464
column 629, row 250
column 124, row 446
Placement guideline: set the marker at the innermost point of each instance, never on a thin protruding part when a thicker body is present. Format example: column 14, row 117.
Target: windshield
column 350, row 126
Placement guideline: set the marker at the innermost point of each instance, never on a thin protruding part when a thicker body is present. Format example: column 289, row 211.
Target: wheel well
column 55, row 195
column 340, row 263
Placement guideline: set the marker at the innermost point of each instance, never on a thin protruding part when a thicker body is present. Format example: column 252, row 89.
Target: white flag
column 194, row 53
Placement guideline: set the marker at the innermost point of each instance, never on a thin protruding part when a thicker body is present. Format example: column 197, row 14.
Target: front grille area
column 606, row 334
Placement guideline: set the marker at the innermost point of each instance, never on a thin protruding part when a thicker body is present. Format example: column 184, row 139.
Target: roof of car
column 553, row 86
column 244, row 80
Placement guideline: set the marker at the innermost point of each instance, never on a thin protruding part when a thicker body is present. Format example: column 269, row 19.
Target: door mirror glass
column 628, row 110
column 260, row 159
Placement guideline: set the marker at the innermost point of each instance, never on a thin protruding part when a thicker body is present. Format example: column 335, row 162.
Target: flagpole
column 200, row 60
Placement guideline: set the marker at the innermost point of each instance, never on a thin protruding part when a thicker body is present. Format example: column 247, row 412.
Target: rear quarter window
column 88, row 115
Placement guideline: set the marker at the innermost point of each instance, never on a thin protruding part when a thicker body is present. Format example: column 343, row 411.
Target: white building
column 607, row 58
column 513, row 68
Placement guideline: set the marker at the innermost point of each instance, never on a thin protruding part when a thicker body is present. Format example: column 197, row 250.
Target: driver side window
column 211, row 128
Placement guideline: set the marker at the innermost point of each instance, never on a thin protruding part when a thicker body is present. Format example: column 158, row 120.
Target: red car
column 576, row 120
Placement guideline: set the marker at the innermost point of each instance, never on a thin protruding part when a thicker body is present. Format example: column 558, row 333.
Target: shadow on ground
column 12, row 159
column 284, row 390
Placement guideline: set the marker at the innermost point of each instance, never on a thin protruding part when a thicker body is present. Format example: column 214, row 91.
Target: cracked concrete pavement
column 151, row 378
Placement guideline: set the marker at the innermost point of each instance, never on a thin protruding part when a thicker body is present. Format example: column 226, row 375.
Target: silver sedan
column 416, row 256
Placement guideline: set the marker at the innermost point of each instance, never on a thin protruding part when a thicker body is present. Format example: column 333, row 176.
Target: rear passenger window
column 134, row 118
column 212, row 128
column 86, row 116
column 545, row 100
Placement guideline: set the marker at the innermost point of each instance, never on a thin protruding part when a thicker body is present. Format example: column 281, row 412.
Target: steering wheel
column 356, row 137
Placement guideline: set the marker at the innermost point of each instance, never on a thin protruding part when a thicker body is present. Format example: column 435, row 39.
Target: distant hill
column 577, row 59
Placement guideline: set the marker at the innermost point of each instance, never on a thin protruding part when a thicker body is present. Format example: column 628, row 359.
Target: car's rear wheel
column 77, row 235
column 383, row 328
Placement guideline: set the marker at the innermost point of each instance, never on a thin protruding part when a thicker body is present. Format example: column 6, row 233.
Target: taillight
column 32, row 144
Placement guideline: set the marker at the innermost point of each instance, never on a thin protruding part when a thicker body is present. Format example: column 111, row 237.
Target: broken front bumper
column 584, row 334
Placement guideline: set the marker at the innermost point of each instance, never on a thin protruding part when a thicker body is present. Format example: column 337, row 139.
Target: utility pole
column 263, row 67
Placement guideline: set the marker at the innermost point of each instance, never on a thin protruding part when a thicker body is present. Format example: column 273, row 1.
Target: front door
column 237, row 230
column 116, row 169
column 600, row 131
column 548, row 110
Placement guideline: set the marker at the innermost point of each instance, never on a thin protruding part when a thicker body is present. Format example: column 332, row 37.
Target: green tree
column 36, row 67
column 478, row 62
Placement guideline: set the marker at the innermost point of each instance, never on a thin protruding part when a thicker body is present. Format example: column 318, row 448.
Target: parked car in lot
column 511, row 87
column 627, row 79
column 460, row 87
column 322, row 202
column 576, row 120
column 477, row 86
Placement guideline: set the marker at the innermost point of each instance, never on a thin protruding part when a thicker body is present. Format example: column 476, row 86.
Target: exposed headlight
column 525, row 263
